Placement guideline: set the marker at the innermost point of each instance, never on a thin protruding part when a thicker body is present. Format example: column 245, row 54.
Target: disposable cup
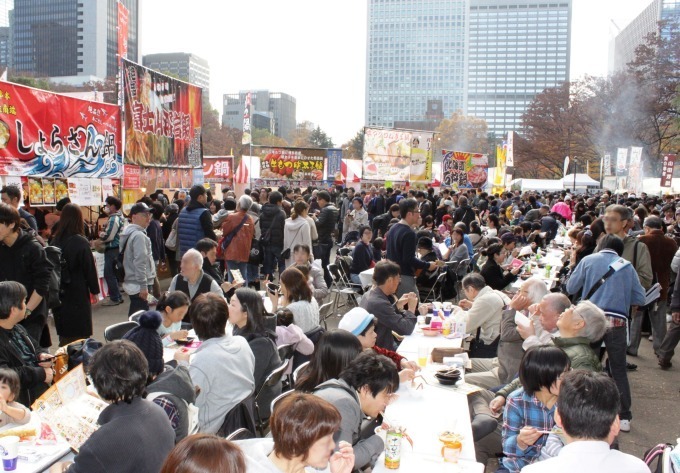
column 9, row 450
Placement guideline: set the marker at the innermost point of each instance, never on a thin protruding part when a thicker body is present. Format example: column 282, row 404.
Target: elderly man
column 483, row 317
column 490, row 372
column 191, row 280
column 237, row 237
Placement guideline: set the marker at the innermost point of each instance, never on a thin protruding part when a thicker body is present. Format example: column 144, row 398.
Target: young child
column 11, row 412
column 173, row 307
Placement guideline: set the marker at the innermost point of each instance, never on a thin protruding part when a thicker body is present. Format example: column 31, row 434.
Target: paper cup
column 9, row 450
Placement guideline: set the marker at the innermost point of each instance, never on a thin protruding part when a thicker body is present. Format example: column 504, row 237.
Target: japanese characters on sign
column 162, row 119
column 667, row 167
column 387, row 154
column 49, row 135
column 292, row 163
column 123, row 18
column 460, row 169
column 421, row 157
column 219, row 169
column 247, row 138
column 333, row 166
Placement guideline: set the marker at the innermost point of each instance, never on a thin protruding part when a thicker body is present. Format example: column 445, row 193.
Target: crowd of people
column 231, row 258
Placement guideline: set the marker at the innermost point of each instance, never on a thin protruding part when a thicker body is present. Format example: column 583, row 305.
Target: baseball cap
column 139, row 207
column 356, row 321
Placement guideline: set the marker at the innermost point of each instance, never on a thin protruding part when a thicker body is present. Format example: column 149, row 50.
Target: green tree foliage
column 354, row 148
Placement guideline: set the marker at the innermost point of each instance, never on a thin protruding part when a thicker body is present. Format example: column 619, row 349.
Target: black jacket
column 31, row 376
column 326, row 222
column 464, row 214
column 272, row 216
column 494, row 277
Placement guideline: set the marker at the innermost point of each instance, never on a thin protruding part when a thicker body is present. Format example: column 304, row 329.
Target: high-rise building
column 416, row 52
column 277, row 105
column 517, row 49
column 185, row 66
column 635, row 34
column 71, row 37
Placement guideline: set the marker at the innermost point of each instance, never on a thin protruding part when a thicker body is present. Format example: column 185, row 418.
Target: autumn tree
column 265, row 138
column 463, row 133
column 354, row 148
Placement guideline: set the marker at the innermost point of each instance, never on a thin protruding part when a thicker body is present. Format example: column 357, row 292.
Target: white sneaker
column 651, row 338
column 624, row 425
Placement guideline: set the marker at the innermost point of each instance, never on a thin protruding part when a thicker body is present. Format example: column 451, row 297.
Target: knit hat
column 147, row 339
column 356, row 321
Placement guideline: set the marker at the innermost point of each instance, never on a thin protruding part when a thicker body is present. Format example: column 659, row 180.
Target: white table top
column 409, row 347
column 366, row 277
column 427, row 412
column 48, row 454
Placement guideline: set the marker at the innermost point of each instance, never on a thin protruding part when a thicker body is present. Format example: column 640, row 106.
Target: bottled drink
column 393, row 449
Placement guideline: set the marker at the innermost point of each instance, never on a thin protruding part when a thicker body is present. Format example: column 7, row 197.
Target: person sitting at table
column 173, row 307
column 483, row 315
column 208, row 250
column 394, row 316
column 205, row 452
column 18, row 351
column 529, row 413
column 303, row 430
column 364, row 388
column 492, row 272
column 297, row 296
column 173, row 385
column 458, row 252
column 302, row 256
column 362, row 324
column 287, row 333
column 11, row 412
column 587, row 411
column 362, row 255
column 191, row 280
column 535, row 236
column 222, row 367
column 246, row 314
column 425, row 278
column 334, row 352
column 134, row 434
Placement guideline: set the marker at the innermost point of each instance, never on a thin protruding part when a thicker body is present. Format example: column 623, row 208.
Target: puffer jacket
column 272, row 216
column 581, row 355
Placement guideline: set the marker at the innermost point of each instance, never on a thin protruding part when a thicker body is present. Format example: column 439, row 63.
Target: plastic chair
column 241, row 434
column 116, row 331
column 135, row 317
column 273, row 379
column 298, row 370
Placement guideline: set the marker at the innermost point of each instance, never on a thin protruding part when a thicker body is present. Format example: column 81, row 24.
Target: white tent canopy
column 582, row 180
column 538, row 184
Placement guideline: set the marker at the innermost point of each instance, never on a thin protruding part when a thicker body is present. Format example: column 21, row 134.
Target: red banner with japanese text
column 123, row 16
column 219, row 169
column 667, row 167
column 291, row 163
column 162, row 119
column 51, row 135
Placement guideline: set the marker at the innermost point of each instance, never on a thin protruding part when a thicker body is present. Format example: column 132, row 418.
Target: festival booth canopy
column 582, row 180
column 538, row 184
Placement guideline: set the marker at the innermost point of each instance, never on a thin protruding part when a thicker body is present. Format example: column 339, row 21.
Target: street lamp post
column 575, row 168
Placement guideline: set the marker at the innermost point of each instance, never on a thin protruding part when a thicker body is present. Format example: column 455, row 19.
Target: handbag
column 256, row 251
column 285, row 254
column 171, row 242
column 81, row 351
column 479, row 349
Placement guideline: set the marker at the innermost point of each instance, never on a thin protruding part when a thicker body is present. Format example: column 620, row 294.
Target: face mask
column 107, row 210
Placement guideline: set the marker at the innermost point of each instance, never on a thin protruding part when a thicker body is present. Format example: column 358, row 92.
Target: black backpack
column 58, row 275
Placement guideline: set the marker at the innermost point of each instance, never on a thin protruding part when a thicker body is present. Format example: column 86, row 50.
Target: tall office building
column 186, row 66
column 416, row 53
column 635, row 34
column 6, row 6
column 517, row 49
column 71, row 37
column 279, row 107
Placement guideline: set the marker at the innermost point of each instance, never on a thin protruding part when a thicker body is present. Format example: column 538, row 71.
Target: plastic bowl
column 431, row 332
column 186, row 341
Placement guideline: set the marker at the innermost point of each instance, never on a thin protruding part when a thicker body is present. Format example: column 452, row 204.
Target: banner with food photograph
column 50, row 135
column 421, row 157
column 387, row 154
column 219, row 169
column 162, row 119
column 464, row 170
column 291, row 163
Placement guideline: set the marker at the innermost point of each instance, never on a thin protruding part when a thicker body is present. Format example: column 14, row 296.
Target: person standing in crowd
column 355, row 218
column 24, row 260
column 325, row 224
column 73, row 319
column 135, row 435
column 11, row 195
column 424, row 205
column 296, row 230
column 401, row 247
column 661, row 251
column 615, row 296
column 171, row 215
column 222, row 367
column 272, row 222
column 238, row 230
column 377, row 203
column 464, row 212
column 195, row 221
column 140, row 270
column 670, row 341
column 399, row 317
column 111, row 237
column 155, row 233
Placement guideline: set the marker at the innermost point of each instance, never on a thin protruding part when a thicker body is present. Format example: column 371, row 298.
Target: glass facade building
column 517, row 49
column 186, row 66
column 416, row 51
column 280, row 107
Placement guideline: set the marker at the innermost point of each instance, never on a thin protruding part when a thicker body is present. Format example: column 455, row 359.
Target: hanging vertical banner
column 387, row 155
column 123, row 19
column 162, row 119
column 667, row 170
column 607, row 165
column 622, row 162
column 566, row 166
column 333, row 160
column 421, row 157
column 501, row 161
column 247, row 137
column 635, row 170
column 509, row 154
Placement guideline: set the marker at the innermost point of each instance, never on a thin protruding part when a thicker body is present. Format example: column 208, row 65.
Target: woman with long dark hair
column 495, row 276
column 246, row 313
column 73, row 319
column 297, row 296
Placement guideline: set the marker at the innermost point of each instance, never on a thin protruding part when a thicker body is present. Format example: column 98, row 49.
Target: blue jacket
column 189, row 228
column 621, row 290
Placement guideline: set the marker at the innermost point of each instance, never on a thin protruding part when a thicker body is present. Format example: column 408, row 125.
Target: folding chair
column 279, row 397
column 135, row 317
column 272, row 380
column 341, row 287
column 286, row 351
column 298, row 370
column 435, row 293
column 116, row 331
column 241, row 434
column 325, row 313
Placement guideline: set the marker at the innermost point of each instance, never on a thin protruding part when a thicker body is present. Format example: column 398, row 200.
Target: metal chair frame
column 272, row 379
column 116, row 331
column 241, row 434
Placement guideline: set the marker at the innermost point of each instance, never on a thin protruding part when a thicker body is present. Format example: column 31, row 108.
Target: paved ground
column 656, row 393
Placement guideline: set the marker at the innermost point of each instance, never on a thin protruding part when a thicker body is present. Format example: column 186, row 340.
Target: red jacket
column 392, row 355
column 239, row 248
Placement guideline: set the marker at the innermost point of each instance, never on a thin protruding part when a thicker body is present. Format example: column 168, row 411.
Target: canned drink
column 393, row 449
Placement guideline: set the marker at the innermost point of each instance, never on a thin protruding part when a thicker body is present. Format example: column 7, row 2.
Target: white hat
column 448, row 202
column 356, row 321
